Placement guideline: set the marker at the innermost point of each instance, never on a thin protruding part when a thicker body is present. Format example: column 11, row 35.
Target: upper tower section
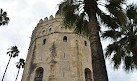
column 49, row 26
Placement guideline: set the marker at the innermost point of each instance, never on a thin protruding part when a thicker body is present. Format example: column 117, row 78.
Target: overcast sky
column 24, row 15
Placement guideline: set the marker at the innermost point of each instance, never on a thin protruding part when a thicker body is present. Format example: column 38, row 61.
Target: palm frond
column 132, row 12
column 124, row 37
column 21, row 63
column 111, row 34
column 74, row 17
column 13, row 51
column 3, row 17
column 115, row 9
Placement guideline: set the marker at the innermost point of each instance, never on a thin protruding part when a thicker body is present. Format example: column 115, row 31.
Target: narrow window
column 44, row 41
column 49, row 29
column 39, row 74
column 62, row 27
column 41, row 58
column 63, row 74
column 64, row 55
column 65, row 39
column 88, row 76
column 85, row 43
column 43, row 31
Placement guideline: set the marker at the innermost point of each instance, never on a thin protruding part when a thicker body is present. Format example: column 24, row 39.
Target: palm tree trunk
column 6, row 68
column 98, row 62
column 17, row 74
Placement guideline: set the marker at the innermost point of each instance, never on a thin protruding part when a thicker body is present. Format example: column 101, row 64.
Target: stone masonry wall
column 60, row 60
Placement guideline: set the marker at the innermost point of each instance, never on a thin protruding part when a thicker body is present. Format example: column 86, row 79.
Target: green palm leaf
column 3, row 18
column 125, row 41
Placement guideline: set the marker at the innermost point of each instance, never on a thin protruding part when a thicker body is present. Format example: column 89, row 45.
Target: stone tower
column 57, row 54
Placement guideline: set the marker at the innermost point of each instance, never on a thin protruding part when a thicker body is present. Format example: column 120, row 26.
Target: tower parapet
column 49, row 26
column 57, row 54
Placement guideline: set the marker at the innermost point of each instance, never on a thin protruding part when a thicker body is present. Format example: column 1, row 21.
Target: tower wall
column 61, row 59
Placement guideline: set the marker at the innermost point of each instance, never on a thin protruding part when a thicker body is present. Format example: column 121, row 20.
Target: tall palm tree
column 19, row 65
column 124, row 47
column 82, row 15
column 3, row 18
column 13, row 52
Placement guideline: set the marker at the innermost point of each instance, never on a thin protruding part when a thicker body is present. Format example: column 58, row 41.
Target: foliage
column 3, row 18
column 20, row 64
column 75, row 15
column 85, row 17
column 13, row 51
column 124, row 47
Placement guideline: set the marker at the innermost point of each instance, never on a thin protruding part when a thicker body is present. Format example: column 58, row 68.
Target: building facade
column 57, row 54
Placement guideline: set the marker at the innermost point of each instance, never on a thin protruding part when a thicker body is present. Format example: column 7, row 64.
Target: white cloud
column 24, row 15
column 133, row 77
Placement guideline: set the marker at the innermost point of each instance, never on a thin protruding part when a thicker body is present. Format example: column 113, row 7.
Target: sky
column 24, row 15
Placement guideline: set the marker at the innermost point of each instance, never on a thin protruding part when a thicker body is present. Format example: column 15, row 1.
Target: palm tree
column 82, row 15
column 19, row 65
column 3, row 18
column 124, row 47
column 13, row 52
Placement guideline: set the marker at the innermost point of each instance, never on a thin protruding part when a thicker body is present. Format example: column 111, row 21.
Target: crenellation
column 46, row 19
column 57, row 16
column 51, row 17
column 40, row 21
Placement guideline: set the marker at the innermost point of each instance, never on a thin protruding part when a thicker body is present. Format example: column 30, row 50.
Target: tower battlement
column 49, row 26
column 50, row 20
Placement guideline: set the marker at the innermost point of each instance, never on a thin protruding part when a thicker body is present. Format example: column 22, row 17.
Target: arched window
column 44, row 41
column 85, row 43
column 49, row 29
column 39, row 74
column 64, row 55
column 65, row 39
column 88, row 76
column 62, row 27
column 43, row 31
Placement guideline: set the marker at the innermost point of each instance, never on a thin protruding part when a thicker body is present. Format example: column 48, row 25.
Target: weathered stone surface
column 65, row 61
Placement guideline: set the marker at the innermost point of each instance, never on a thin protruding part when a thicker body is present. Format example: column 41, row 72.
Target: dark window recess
column 61, row 27
column 44, row 41
column 65, row 39
column 88, row 76
column 64, row 55
column 49, row 29
column 85, row 43
column 43, row 31
column 63, row 74
column 39, row 74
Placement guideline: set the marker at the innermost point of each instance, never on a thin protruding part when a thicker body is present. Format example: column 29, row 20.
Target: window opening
column 44, row 41
column 65, row 39
column 43, row 31
column 49, row 29
column 39, row 74
column 85, row 42
column 88, row 76
column 64, row 55
column 63, row 74
column 62, row 27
